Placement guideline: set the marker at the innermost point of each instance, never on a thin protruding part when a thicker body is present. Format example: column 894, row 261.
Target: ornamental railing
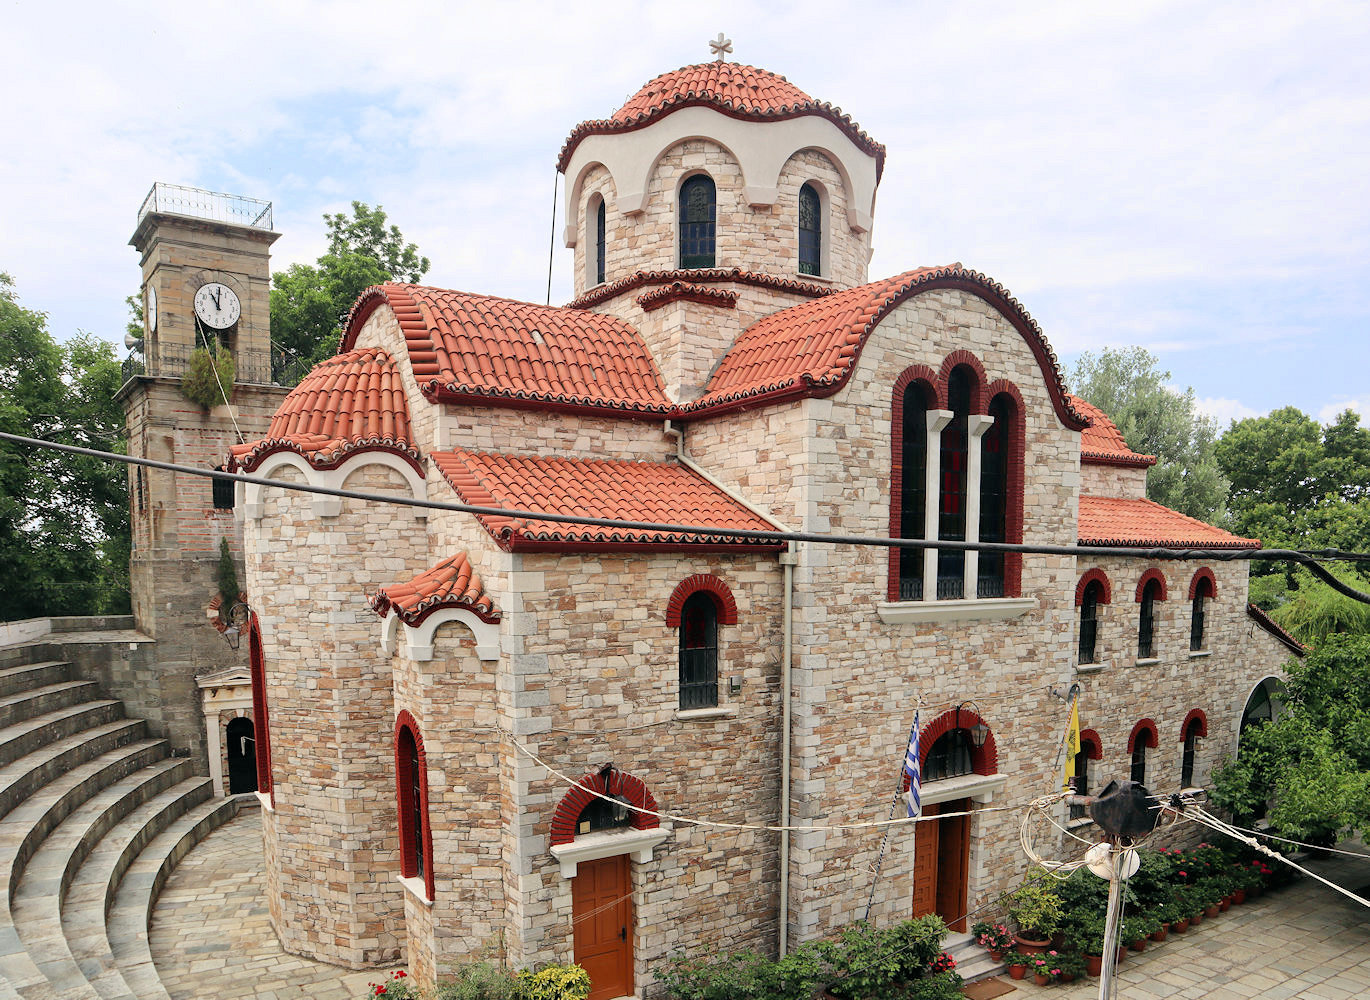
column 176, row 199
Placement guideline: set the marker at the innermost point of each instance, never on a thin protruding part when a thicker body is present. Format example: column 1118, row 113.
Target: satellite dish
column 1100, row 861
column 133, row 343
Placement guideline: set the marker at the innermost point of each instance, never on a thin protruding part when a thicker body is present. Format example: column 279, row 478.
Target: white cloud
column 1329, row 413
column 1224, row 411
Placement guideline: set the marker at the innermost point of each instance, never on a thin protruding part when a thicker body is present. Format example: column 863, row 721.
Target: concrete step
column 35, row 701
column 21, row 778
column 26, row 736
column 32, row 675
column 972, row 961
column 131, row 915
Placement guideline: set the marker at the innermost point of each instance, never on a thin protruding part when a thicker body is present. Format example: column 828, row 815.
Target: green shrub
column 557, row 982
column 482, row 980
column 228, row 580
column 1034, row 906
column 939, row 986
column 201, row 382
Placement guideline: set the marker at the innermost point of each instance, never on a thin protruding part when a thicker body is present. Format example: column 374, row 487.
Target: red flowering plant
column 942, row 963
column 993, row 937
column 397, row 987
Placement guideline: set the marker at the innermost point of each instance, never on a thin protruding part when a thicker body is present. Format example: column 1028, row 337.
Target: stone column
column 976, row 426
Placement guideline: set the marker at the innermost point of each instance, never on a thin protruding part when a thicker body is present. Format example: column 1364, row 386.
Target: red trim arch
column 404, row 783
column 1152, row 574
column 633, row 789
column 983, row 760
column 1013, row 489
column 1203, row 574
column 711, row 585
column 979, row 401
column 1147, row 729
column 910, row 375
column 1195, row 714
column 1089, row 738
column 1091, row 577
column 261, row 723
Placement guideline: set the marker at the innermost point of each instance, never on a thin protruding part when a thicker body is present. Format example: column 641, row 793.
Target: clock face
column 217, row 306
column 150, row 315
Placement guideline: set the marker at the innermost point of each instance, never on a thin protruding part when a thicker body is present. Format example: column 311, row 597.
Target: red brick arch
column 983, row 760
column 1204, row 573
column 404, row 782
column 709, row 584
column 1090, row 739
column 1087, row 579
column 1195, row 714
column 1145, row 729
column 979, row 400
column 633, row 789
column 1152, row 574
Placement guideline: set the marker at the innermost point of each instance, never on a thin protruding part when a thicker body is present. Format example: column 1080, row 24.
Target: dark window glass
column 1191, row 743
column 810, row 231
column 599, row 244
column 951, row 565
column 1146, row 625
column 223, row 493
column 950, row 756
column 1196, row 617
column 411, row 806
column 699, row 652
column 1258, row 708
column 1089, row 621
column 912, row 515
column 1139, row 760
column 1081, row 778
column 698, row 216
column 994, row 498
column 602, row 815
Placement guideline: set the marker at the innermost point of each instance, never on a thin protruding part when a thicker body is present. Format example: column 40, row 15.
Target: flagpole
column 909, row 770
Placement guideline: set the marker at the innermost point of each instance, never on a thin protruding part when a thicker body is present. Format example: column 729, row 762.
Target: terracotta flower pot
column 1040, row 979
column 997, row 956
column 1180, row 926
column 1028, row 946
column 1067, row 977
column 1239, row 897
column 1017, row 971
column 1225, row 904
column 1212, row 911
column 1094, row 964
column 1138, row 945
column 1122, row 952
column 1160, row 935
column 1197, row 918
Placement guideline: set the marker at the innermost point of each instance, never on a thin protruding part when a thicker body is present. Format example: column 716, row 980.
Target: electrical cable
column 734, row 535
column 1300, row 843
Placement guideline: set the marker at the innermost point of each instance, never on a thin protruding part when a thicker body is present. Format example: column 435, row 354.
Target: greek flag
column 911, row 771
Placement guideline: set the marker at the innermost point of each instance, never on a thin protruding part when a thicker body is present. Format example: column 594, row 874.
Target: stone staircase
column 972, row 961
column 94, row 815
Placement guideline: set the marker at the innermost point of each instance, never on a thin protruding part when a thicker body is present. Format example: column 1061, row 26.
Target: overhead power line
column 1305, row 559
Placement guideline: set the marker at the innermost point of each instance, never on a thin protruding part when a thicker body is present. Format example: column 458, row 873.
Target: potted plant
column 1072, row 965
column 1036, row 909
column 1041, row 968
column 994, row 938
column 1017, row 964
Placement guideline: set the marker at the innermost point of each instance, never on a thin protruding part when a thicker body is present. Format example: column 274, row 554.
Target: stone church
column 433, row 690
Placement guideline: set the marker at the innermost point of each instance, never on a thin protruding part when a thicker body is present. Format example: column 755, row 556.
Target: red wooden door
column 953, row 862
column 602, row 915
column 925, row 864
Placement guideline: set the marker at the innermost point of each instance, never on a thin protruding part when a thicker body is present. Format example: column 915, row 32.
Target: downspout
column 788, row 559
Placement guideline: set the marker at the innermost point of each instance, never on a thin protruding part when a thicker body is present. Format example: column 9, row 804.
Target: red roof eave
column 1116, row 459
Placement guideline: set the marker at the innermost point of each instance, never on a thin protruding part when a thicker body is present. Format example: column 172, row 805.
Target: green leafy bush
column 204, row 375
column 556, row 982
column 1035, row 907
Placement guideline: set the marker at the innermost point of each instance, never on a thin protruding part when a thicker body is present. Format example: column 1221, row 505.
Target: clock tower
column 206, row 282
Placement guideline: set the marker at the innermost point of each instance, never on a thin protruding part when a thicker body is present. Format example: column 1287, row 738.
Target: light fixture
column 979, row 733
column 617, row 802
column 237, row 618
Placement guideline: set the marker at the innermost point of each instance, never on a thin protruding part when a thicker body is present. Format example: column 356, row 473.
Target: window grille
column 913, row 479
column 994, row 500
column 602, row 815
column 1146, row 626
column 1191, row 745
column 599, row 244
column 1139, row 760
column 698, row 218
column 810, row 231
column 950, row 756
column 1081, row 779
column 1196, row 623
column 1089, row 622
column 698, row 652
column 223, row 493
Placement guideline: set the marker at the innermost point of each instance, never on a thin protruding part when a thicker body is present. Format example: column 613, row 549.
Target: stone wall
column 1098, row 480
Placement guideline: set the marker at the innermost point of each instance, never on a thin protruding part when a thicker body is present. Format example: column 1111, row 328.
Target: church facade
column 435, row 691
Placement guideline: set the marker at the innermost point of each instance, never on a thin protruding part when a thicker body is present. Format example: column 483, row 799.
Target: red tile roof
column 811, row 349
column 452, row 583
column 654, row 492
column 734, row 89
column 1145, row 523
column 489, row 350
column 697, row 276
column 689, row 291
column 350, row 402
column 1268, row 624
column 1102, row 443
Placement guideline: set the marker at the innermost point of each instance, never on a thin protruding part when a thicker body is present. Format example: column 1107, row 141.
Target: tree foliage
column 64, row 527
column 1155, row 419
column 309, row 302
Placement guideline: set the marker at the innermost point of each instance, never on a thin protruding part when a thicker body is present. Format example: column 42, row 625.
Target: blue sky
column 1191, row 178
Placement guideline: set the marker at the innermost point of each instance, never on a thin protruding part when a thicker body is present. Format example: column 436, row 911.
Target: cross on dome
column 720, row 47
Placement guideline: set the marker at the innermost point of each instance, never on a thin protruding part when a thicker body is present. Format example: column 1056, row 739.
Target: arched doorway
column 1262, row 705
column 242, row 756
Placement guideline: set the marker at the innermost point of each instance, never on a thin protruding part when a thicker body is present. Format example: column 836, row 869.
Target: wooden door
column 953, row 863
column 602, row 915
column 925, row 848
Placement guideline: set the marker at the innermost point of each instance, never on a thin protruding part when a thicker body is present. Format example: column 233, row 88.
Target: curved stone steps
column 131, row 915
column 34, row 701
column 31, row 675
column 35, row 903
column 90, row 895
column 29, row 734
column 22, row 777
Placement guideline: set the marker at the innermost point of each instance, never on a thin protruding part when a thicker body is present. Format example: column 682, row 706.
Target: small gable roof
column 452, row 583
column 656, row 492
column 350, row 402
column 811, row 349
column 1123, row 521
column 1267, row 623
column 733, row 89
column 1101, row 443
column 496, row 351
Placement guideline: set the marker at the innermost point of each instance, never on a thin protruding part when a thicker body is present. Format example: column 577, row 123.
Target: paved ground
column 212, row 937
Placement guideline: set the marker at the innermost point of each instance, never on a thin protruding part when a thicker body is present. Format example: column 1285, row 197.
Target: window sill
column 1148, row 661
column 980, row 787
column 1079, row 821
column 416, row 888
column 593, row 846
column 1197, row 654
column 1089, row 668
column 819, row 278
column 265, row 799
column 706, row 714
column 980, row 609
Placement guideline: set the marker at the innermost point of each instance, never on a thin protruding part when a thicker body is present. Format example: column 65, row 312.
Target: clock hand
column 217, row 306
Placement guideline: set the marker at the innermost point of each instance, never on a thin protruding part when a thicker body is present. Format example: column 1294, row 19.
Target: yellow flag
column 1072, row 744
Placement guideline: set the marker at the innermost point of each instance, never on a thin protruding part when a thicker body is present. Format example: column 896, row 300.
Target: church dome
column 734, row 89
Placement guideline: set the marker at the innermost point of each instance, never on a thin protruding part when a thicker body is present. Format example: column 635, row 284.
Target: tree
column 64, row 531
column 1155, row 419
column 309, row 302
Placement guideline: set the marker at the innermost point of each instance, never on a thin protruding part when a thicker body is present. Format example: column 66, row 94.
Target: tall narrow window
column 1192, row 730
column 223, row 492
column 1146, row 624
column 810, row 231
column 411, row 787
column 698, row 216
column 994, row 498
column 1203, row 590
column 599, row 244
column 261, row 722
column 1139, row 761
column 1088, row 750
column 913, row 490
column 698, row 652
column 951, row 565
column 1089, row 622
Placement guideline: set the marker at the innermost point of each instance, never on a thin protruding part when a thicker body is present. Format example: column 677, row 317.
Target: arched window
column 411, row 790
column 699, row 652
column 994, row 451
column 950, row 756
column 951, row 564
column 1089, row 622
column 1260, row 708
column 1193, row 730
column 810, row 231
column 698, row 218
column 1143, row 737
column 1139, row 763
column 913, row 488
column 1203, row 591
column 1089, row 750
column 1146, row 622
column 260, row 722
column 599, row 243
